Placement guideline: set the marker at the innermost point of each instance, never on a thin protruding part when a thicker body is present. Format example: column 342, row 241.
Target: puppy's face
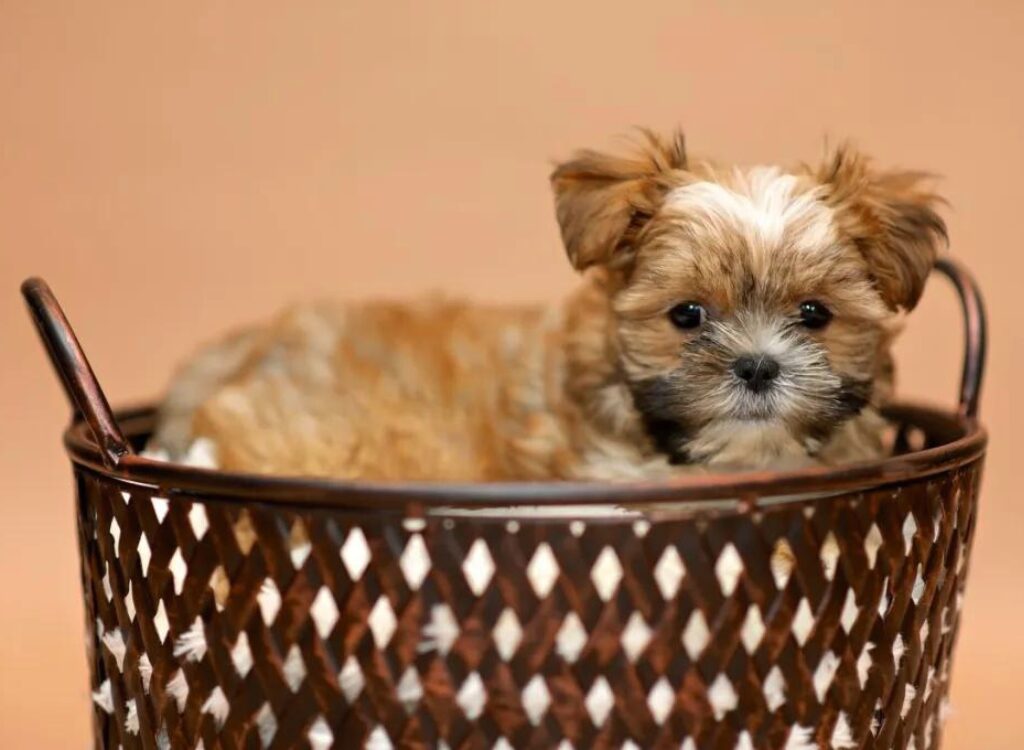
column 752, row 307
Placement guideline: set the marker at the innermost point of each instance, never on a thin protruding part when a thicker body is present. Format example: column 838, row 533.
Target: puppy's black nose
column 757, row 372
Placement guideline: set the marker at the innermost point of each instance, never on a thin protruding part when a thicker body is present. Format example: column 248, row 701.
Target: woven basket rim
column 414, row 498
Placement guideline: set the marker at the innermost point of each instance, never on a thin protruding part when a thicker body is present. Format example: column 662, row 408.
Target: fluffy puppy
column 728, row 318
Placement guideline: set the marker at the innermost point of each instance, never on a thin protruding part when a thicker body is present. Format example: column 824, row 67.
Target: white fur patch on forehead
column 764, row 203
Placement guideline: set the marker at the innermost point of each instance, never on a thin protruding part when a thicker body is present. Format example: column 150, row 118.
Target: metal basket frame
column 870, row 669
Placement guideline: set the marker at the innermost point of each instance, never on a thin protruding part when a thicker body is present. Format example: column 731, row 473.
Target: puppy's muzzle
column 756, row 371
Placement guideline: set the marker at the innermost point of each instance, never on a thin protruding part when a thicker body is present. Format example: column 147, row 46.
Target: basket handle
column 68, row 359
column 975, row 335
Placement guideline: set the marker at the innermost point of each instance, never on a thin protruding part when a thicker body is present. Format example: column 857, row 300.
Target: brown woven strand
column 917, row 576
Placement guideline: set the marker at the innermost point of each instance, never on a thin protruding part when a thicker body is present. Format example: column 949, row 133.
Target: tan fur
column 446, row 390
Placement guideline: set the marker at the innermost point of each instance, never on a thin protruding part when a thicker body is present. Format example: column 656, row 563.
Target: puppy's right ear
column 602, row 201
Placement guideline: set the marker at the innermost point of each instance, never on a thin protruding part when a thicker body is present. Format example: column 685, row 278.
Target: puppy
column 728, row 318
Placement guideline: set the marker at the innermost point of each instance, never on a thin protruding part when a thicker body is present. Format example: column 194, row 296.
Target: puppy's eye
column 814, row 315
column 687, row 315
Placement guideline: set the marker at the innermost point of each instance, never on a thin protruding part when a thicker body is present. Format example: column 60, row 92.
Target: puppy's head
column 751, row 306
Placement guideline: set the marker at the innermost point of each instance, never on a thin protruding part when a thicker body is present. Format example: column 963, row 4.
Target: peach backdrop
column 176, row 168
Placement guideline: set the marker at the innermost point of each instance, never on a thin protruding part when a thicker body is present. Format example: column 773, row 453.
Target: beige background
column 177, row 168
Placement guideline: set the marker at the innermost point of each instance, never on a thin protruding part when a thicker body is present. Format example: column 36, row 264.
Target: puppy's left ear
column 892, row 218
column 602, row 201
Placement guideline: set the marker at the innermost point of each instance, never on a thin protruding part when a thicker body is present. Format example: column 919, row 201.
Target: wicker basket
column 522, row 615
